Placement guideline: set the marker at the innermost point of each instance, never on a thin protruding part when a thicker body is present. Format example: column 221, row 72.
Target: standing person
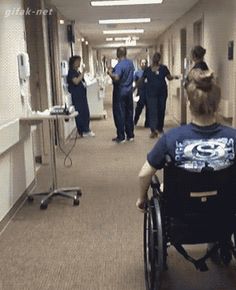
column 155, row 78
column 78, row 91
column 142, row 93
column 122, row 102
column 197, row 54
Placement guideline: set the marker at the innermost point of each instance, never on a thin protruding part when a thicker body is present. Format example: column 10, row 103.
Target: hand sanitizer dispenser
column 64, row 68
column 23, row 66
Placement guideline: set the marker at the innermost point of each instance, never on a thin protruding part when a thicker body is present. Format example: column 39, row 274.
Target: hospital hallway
column 59, row 60
column 98, row 245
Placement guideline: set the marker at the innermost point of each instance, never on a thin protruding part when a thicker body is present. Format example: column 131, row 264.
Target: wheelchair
column 193, row 208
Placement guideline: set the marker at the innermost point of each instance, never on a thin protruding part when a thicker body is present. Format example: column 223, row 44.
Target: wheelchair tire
column 153, row 245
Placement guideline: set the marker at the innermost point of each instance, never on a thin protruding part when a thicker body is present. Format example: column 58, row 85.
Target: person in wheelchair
column 203, row 144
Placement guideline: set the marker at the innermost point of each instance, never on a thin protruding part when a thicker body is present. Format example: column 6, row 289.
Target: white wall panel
column 16, row 170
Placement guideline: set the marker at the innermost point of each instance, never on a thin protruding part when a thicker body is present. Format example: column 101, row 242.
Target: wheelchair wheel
column 153, row 245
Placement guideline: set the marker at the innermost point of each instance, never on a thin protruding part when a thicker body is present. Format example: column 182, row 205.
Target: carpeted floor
column 98, row 245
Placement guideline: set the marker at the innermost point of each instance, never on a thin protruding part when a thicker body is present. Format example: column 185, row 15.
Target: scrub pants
column 142, row 102
column 122, row 106
column 82, row 120
column 156, row 110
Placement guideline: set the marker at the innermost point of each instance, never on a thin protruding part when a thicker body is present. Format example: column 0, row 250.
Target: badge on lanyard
column 157, row 72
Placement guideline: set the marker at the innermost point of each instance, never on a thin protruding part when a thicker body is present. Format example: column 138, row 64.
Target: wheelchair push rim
column 153, row 245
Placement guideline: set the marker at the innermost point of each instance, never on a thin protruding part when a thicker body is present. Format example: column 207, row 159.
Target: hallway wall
column 16, row 158
column 218, row 29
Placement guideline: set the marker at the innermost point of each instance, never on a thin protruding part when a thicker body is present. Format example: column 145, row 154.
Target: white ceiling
column 162, row 16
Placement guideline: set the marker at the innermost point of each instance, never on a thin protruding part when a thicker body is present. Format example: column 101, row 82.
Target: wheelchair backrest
column 208, row 192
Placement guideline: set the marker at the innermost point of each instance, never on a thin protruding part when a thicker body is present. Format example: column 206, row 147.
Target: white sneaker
column 89, row 134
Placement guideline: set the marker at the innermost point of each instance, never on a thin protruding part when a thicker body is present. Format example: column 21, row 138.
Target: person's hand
column 140, row 204
column 109, row 70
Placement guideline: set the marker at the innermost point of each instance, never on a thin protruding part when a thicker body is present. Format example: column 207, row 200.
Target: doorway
column 198, row 32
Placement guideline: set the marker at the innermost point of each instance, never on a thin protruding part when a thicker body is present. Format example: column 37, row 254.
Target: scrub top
column 125, row 70
column 142, row 88
column 156, row 82
column 75, row 90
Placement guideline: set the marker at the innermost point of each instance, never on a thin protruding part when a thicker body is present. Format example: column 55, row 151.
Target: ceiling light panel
column 125, row 2
column 131, row 20
column 126, row 38
column 123, row 31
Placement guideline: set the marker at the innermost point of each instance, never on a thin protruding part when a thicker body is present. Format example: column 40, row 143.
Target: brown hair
column 198, row 52
column 203, row 93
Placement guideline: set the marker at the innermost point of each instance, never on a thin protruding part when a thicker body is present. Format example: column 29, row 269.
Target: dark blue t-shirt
column 125, row 70
column 75, row 90
column 156, row 81
column 192, row 147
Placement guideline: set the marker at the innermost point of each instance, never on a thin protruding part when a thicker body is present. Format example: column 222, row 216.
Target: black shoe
column 118, row 140
column 153, row 135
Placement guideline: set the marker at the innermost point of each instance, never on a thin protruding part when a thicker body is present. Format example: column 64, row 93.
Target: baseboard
column 5, row 221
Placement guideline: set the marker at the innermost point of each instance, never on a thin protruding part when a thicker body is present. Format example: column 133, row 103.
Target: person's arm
column 77, row 80
column 145, row 178
column 140, row 80
column 169, row 76
column 113, row 76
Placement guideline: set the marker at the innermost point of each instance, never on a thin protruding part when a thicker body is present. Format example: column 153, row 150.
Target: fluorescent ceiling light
column 123, row 31
column 131, row 20
column 126, row 38
column 118, row 44
column 62, row 21
column 109, row 39
column 125, row 2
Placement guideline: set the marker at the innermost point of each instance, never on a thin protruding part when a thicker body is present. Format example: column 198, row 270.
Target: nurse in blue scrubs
column 155, row 78
column 78, row 91
column 122, row 102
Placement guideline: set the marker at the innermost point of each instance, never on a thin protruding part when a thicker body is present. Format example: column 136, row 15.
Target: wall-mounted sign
column 231, row 50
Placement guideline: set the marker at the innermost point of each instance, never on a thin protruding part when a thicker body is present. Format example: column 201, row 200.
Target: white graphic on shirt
column 194, row 155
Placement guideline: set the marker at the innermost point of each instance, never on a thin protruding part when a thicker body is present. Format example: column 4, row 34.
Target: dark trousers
column 142, row 102
column 82, row 120
column 122, row 106
column 156, row 110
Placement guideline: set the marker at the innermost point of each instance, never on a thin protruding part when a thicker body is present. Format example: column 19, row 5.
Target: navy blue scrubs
column 122, row 103
column 156, row 96
column 142, row 102
column 80, row 102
